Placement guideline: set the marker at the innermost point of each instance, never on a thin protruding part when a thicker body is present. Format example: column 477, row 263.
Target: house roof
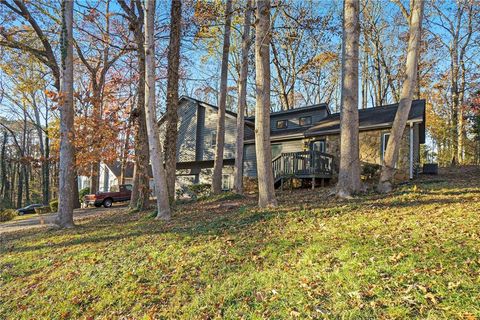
column 296, row 110
column 206, row 104
column 370, row 118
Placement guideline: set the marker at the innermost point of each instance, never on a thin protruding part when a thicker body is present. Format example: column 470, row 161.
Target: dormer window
column 281, row 124
column 305, row 121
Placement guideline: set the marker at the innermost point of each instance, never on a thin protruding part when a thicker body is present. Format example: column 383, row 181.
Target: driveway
column 47, row 220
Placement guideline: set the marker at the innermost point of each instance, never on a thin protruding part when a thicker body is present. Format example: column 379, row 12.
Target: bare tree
column 266, row 190
column 172, row 95
column 349, row 173
column 455, row 34
column 222, row 100
column 155, row 146
column 406, row 96
column 242, row 100
column 67, row 170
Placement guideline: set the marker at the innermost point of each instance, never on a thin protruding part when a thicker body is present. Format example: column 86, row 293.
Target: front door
column 318, row 145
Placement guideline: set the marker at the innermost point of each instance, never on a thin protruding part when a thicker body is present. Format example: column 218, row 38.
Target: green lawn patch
column 412, row 254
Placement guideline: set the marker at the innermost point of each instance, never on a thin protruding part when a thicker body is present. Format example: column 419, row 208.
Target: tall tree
column 242, row 100
column 222, row 101
column 266, row 189
column 456, row 29
column 141, row 178
column 67, row 153
column 98, row 63
column 155, row 146
column 172, row 95
column 349, row 172
column 406, row 96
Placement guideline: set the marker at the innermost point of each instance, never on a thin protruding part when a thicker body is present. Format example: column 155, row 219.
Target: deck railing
column 302, row 164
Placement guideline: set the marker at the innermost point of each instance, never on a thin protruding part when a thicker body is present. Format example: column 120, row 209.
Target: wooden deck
column 302, row 165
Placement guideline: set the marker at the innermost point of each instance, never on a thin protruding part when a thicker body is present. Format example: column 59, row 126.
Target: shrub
column 7, row 214
column 82, row 193
column 43, row 210
column 370, row 170
column 54, row 205
column 194, row 191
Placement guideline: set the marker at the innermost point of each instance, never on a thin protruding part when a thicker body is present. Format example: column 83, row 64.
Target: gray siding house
column 305, row 141
column 197, row 131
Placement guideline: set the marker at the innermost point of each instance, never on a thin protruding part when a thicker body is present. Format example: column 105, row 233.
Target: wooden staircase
column 302, row 165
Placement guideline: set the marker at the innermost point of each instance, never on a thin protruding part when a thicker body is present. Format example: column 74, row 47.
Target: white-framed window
column 226, row 182
column 385, row 137
column 281, row 124
column 305, row 121
column 213, row 139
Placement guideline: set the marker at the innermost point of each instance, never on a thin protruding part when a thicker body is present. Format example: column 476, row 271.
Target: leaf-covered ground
column 413, row 254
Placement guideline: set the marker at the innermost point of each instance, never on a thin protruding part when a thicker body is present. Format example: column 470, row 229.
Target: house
column 111, row 175
column 305, row 144
column 305, row 141
column 197, row 126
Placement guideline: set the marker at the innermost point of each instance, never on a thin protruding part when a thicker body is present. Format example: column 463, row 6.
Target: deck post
column 313, row 183
column 281, row 184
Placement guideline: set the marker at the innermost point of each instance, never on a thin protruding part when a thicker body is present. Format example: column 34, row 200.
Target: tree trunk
column 46, row 163
column 67, row 165
column 391, row 155
column 141, row 177
column 19, row 185
column 155, row 146
column 242, row 101
column 349, row 172
column 172, row 96
column 266, row 190
column 220, row 139
column 3, row 164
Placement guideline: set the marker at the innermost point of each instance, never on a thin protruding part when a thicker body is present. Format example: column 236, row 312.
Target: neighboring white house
column 109, row 176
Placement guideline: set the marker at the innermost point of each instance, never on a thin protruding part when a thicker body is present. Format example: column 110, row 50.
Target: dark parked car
column 106, row 199
column 29, row 209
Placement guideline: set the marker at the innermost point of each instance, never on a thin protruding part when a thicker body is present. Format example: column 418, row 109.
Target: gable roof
column 297, row 110
column 370, row 118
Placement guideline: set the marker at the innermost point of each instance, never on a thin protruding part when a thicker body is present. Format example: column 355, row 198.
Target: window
column 305, row 121
column 276, row 150
column 213, row 139
column 385, row 137
column 318, row 145
column 281, row 124
column 226, row 182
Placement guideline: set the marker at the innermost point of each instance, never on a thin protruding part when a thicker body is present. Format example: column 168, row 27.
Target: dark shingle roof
column 296, row 110
column 369, row 118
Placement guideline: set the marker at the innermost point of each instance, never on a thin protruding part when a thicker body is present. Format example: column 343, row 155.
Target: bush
column 54, row 205
column 43, row 210
column 82, row 193
column 7, row 214
column 370, row 170
column 195, row 191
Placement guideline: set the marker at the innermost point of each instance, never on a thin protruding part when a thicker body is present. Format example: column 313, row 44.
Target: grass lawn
column 413, row 254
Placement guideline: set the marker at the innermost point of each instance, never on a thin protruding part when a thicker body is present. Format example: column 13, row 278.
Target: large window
column 385, row 137
column 281, row 124
column 305, row 121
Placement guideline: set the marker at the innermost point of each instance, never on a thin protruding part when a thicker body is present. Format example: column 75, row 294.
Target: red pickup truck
column 106, row 199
